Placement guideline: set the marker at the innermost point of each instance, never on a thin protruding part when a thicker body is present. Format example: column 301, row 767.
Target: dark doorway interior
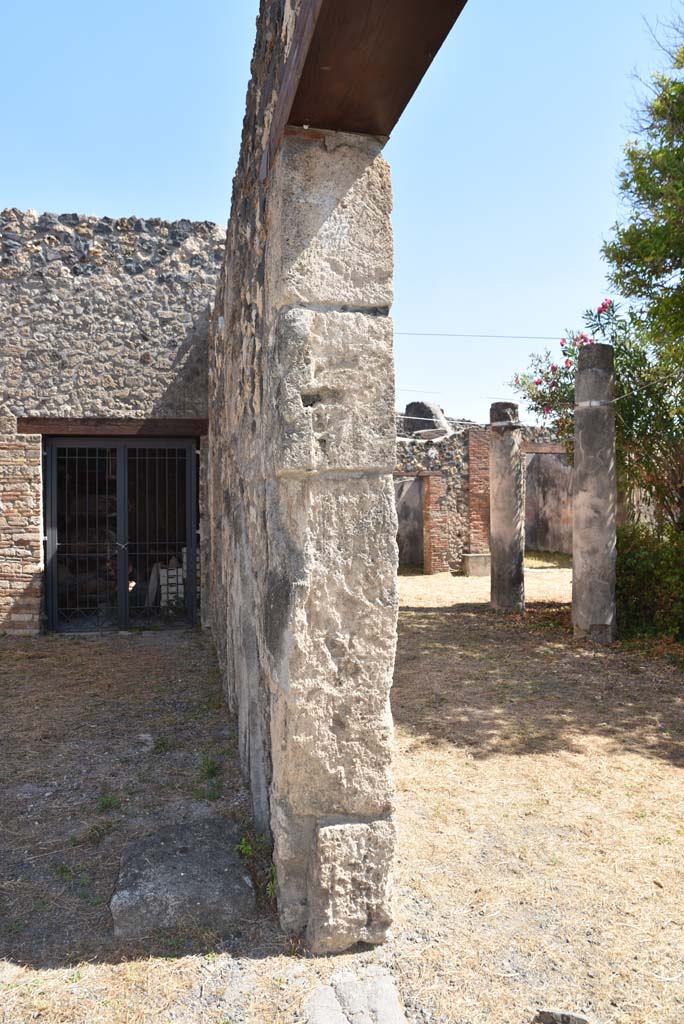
column 121, row 533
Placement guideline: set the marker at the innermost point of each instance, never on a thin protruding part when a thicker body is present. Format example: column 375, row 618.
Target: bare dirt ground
column 540, row 811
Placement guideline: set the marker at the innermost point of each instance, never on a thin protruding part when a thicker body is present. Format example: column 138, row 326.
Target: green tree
column 648, row 420
column 646, row 252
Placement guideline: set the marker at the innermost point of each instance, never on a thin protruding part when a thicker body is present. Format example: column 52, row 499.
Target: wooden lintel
column 90, row 426
column 364, row 60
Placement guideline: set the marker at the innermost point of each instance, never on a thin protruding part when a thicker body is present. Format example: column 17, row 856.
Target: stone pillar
column 507, row 508
column 304, row 554
column 594, row 497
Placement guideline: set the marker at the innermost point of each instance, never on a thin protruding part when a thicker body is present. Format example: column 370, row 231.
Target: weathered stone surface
column 350, row 885
column 333, row 198
column 332, row 384
column 594, row 497
column 367, row 998
column 477, row 564
column 183, row 876
column 507, row 508
column 548, row 503
column 104, row 317
column 303, row 552
column 302, row 527
column 98, row 317
column 421, row 418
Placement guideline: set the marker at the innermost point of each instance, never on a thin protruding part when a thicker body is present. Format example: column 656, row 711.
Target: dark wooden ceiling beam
column 365, row 60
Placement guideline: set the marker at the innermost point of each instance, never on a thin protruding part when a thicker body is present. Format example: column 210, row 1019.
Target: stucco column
column 506, row 508
column 594, row 497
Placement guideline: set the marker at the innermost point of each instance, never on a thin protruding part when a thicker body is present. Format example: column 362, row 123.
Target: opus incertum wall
column 99, row 318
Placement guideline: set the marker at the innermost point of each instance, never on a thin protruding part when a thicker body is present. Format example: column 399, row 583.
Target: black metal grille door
column 121, row 534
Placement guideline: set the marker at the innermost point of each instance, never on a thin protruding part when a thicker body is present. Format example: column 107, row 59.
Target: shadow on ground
column 498, row 684
column 106, row 739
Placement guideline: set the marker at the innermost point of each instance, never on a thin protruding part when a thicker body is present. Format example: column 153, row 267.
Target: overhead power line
column 501, row 337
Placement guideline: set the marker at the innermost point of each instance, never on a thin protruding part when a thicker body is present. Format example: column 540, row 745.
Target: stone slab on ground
column 350, row 999
column 183, row 876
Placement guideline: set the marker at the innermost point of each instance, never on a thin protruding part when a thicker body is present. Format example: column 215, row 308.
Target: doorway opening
column 121, row 533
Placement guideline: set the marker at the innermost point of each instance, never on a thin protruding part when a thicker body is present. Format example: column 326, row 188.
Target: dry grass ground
column 540, row 811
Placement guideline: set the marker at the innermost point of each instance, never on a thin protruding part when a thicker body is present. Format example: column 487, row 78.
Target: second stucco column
column 594, row 497
column 507, row 508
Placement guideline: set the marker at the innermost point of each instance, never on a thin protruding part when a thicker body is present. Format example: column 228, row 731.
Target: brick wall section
column 21, row 547
column 478, row 490
column 462, row 460
column 435, row 524
column 448, row 457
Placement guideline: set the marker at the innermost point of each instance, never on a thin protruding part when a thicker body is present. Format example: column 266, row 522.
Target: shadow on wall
column 408, row 495
column 186, row 394
column 548, row 503
column 500, row 686
column 21, row 608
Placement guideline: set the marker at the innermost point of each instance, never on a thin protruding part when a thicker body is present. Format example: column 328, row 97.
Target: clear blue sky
column 504, row 163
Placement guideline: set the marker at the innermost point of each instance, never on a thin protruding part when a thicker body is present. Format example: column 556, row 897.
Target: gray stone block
column 371, row 998
column 350, row 886
column 184, row 876
column 477, row 564
column 331, row 202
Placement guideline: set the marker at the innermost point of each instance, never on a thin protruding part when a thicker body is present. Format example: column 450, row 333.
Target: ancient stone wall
column 448, row 456
column 548, row 503
column 98, row 318
column 462, row 458
column 103, row 317
column 303, row 553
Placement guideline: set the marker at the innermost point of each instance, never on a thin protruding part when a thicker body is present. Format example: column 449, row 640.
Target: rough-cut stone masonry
column 302, row 504
column 448, row 456
column 102, row 317
column 98, row 318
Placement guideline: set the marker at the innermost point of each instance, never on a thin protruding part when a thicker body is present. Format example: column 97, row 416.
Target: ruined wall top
column 104, row 316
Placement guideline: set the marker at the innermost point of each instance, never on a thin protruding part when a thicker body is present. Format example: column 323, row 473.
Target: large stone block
column 350, row 885
column 333, row 388
column 332, row 726
column 183, row 876
column 330, row 209
column 369, row 997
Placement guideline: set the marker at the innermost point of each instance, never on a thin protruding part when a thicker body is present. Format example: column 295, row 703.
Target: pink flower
column 554, row 369
column 547, row 410
column 538, row 381
column 562, row 342
column 568, row 363
column 605, row 306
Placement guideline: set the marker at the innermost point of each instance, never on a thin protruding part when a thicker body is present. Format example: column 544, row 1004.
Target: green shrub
column 650, row 582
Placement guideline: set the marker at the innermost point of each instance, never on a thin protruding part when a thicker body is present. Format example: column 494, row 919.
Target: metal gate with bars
column 121, row 533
